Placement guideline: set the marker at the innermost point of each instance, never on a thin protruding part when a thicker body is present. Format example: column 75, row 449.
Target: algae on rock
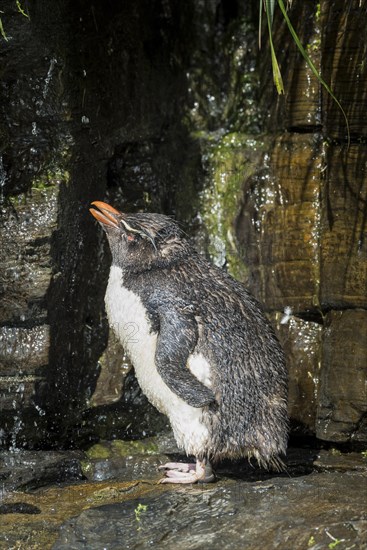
column 229, row 162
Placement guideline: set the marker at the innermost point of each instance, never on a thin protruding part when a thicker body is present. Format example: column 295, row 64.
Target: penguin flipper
column 177, row 338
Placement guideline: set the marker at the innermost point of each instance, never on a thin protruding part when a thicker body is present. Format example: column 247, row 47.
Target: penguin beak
column 106, row 214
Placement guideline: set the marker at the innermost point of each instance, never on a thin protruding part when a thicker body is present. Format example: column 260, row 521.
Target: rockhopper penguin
column 204, row 353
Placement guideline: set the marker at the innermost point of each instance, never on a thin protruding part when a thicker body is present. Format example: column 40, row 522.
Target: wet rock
column 301, row 109
column 127, row 460
column 334, row 460
column 132, row 417
column 305, row 258
column 229, row 160
column 17, row 395
column 26, row 229
column 223, row 87
column 36, row 172
column 342, row 398
column 277, row 211
column 114, row 368
column 29, row 470
column 305, row 512
column 277, row 227
column 343, row 246
column 23, row 350
column 321, row 495
column 19, row 508
column 341, row 66
column 302, row 343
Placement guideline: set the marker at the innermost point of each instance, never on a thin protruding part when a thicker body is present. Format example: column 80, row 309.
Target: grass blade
column 277, row 77
column 311, row 65
column 20, row 9
column 2, row 32
column 260, row 21
column 270, row 7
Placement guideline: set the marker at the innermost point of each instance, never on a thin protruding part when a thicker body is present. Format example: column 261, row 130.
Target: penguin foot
column 180, row 472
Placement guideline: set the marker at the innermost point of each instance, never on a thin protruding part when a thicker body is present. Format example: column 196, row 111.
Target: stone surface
column 319, row 502
column 132, row 417
column 127, row 460
column 271, row 514
column 342, row 408
column 228, row 161
column 302, row 343
column 278, row 225
column 343, row 244
column 26, row 231
column 159, row 106
column 302, row 224
column 114, row 368
column 88, row 95
column 30, row 470
column 301, row 108
column 343, row 67
column 26, row 268
column 23, row 350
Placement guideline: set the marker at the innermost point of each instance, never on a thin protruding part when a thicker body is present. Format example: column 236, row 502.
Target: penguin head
column 140, row 241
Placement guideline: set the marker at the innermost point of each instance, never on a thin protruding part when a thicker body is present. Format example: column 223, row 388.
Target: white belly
column 127, row 317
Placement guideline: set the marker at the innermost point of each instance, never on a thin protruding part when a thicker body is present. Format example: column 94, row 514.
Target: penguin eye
column 134, row 237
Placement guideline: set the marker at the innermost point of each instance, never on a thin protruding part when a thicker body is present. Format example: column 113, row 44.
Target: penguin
column 204, row 353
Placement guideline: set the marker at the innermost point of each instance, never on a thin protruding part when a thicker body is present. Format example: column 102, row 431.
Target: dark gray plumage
column 236, row 384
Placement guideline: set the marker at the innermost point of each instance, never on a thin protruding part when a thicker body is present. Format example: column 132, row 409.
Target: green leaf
column 2, row 32
column 270, row 6
column 277, row 77
column 260, row 21
column 20, row 9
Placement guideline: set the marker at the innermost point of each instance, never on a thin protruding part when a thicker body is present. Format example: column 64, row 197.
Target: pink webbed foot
column 179, row 472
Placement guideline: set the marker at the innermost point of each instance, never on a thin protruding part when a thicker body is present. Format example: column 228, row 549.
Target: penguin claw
column 179, row 466
column 179, row 477
column 177, row 472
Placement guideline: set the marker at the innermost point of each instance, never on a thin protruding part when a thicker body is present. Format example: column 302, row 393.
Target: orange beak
column 106, row 214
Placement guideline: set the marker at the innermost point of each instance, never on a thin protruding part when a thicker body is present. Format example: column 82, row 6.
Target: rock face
column 76, row 111
column 109, row 498
column 168, row 107
column 302, row 225
column 273, row 513
column 341, row 413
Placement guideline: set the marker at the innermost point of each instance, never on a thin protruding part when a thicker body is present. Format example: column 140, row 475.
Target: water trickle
column 48, row 78
column 2, row 179
column 287, row 315
column 34, row 133
column 21, row 347
column 229, row 161
column 17, row 428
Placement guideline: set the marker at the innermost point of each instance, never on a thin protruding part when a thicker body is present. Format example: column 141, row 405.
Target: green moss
column 139, row 510
column 99, row 450
column 124, row 448
column 40, row 192
column 54, row 172
column 86, row 467
column 335, row 543
column 318, row 11
column 230, row 162
column 335, row 452
column 50, row 178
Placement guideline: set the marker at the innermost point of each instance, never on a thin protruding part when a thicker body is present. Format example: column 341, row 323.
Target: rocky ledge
column 108, row 497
